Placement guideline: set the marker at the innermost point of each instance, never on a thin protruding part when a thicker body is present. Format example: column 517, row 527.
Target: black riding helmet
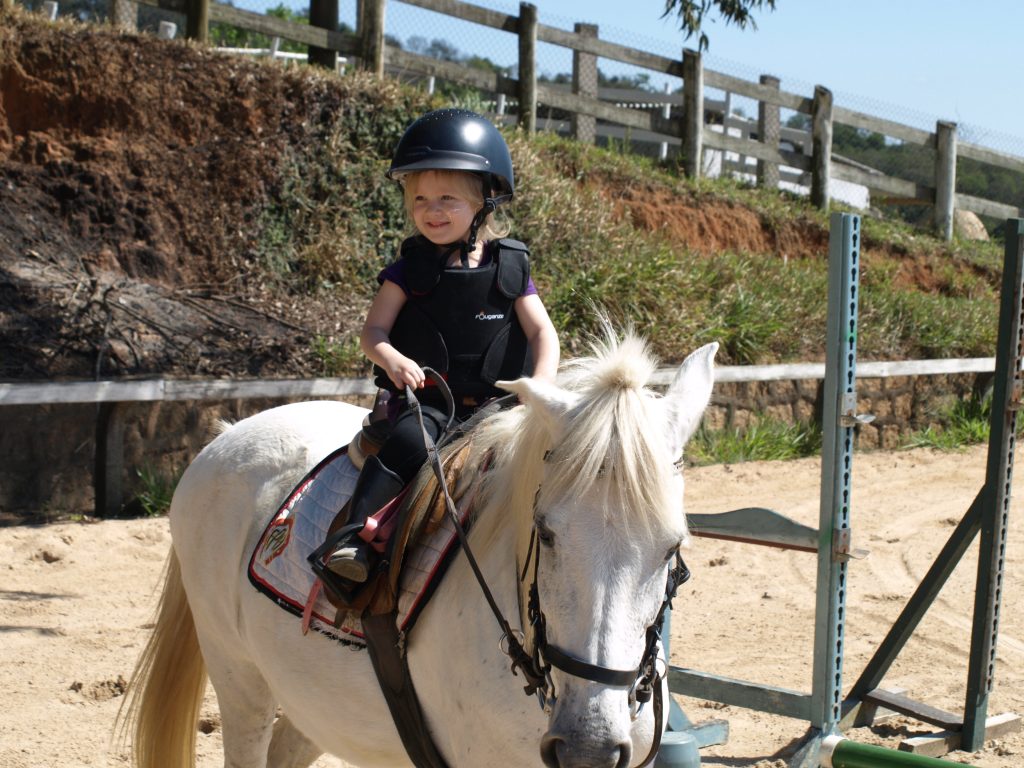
column 457, row 140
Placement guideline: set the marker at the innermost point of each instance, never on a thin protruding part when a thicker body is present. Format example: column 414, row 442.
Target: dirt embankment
column 132, row 176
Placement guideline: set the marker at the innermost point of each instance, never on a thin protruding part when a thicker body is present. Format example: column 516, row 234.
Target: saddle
column 420, row 509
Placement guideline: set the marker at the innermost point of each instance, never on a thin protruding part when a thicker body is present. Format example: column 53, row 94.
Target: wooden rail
column 685, row 130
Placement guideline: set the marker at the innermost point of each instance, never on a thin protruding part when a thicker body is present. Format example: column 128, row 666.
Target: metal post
column 1006, row 400
column 834, row 532
column 666, row 112
column 838, row 752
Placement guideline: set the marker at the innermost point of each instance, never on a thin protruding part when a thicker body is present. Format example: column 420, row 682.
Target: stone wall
column 47, row 452
column 901, row 405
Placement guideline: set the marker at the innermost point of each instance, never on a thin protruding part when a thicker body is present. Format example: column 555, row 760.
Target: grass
column 156, row 490
column 766, row 439
column 335, row 358
column 967, row 422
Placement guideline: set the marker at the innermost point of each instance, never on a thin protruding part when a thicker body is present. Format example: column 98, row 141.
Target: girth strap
column 390, row 662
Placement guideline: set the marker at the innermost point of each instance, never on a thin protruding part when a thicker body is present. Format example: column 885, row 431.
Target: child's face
column 442, row 205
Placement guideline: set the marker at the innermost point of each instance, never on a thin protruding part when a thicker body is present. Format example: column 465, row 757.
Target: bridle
column 643, row 682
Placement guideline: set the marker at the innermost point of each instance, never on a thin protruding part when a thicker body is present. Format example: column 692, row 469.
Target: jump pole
column 839, row 752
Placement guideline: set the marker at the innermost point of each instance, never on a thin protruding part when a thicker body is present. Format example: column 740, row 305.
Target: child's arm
column 540, row 332
column 376, row 342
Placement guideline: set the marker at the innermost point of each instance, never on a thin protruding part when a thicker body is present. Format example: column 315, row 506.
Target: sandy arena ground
column 75, row 600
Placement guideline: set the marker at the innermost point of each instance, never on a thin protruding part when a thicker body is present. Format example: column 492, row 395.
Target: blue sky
column 912, row 61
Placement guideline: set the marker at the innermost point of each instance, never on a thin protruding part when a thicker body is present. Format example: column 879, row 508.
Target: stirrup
column 344, row 589
column 351, row 562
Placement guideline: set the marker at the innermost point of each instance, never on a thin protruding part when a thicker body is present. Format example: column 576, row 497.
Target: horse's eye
column 545, row 535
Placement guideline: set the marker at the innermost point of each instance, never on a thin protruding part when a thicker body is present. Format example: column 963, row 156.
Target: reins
column 643, row 682
column 513, row 648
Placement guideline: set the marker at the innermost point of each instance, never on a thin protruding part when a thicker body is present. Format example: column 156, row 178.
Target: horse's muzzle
column 563, row 751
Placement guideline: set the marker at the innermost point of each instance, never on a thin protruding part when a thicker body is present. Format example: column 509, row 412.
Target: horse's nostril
column 549, row 750
column 556, row 752
column 625, row 754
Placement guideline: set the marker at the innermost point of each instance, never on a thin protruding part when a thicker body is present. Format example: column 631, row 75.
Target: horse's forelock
column 613, row 431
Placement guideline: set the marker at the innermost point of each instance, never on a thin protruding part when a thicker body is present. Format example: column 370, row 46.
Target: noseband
column 643, row 681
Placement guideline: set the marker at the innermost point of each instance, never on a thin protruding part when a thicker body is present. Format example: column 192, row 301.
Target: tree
column 691, row 14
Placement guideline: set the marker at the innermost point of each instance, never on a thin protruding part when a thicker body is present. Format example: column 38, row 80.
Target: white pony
column 588, row 470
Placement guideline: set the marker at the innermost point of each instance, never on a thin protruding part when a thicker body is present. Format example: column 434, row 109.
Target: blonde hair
column 468, row 185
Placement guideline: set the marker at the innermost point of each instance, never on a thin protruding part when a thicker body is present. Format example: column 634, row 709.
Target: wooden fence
column 680, row 119
column 111, row 396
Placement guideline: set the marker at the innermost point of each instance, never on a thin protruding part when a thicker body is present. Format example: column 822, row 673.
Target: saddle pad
column 279, row 567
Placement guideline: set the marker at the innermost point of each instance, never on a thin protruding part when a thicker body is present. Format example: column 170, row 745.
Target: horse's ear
column 549, row 400
column 688, row 395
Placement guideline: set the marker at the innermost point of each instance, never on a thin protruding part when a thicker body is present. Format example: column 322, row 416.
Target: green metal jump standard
column 825, row 708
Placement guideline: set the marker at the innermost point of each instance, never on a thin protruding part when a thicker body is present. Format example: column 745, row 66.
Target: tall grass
column 764, row 440
column 334, row 221
column 967, row 422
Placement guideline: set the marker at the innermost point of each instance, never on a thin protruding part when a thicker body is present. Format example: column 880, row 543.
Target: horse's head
column 602, row 508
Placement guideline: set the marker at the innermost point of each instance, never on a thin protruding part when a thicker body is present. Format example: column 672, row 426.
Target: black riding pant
column 404, row 452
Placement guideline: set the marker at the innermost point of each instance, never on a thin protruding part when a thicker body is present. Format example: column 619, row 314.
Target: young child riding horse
column 459, row 299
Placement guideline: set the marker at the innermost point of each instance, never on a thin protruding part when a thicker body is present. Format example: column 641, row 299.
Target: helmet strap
column 478, row 220
column 465, row 247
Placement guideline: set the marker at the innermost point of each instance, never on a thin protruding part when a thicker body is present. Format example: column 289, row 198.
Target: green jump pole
column 839, row 752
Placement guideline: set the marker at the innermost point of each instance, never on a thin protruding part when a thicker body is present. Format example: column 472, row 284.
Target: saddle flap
column 423, row 508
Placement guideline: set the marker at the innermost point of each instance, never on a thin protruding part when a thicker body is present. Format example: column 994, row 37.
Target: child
column 459, row 300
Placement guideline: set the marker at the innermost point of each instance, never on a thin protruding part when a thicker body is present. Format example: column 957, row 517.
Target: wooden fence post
column 693, row 113
column 528, row 67
column 197, row 20
column 821, row 140
column 323, row 14
column 124, row 15
column 945, row 179
column 373, row 36
column 768, row 130
column 108, row 470
column 584, row 83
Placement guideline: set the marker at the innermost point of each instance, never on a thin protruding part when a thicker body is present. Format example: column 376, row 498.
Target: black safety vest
column 462, row 322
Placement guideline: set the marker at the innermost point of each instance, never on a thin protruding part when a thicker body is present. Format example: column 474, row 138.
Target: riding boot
column 376, row 486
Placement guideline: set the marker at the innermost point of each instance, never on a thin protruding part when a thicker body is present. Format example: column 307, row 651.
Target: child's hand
column 404, row 372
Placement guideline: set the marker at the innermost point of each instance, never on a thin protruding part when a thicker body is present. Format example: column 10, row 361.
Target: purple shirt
column 395, row 272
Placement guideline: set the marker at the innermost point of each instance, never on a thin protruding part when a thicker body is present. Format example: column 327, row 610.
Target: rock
column 968, row 226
